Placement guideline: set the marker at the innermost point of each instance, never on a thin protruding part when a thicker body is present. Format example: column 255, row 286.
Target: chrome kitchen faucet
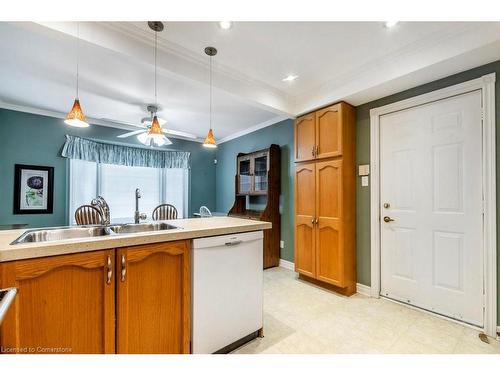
column 137, row 215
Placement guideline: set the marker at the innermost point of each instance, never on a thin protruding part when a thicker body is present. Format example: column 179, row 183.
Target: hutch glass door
column 245, row 175
column 260, row 173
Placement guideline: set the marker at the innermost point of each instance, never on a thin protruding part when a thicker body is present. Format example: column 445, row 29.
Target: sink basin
column 142, row 227
column 66, row 233
column 57, row 234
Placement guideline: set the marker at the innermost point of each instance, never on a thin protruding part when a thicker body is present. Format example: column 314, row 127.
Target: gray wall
column 363, row 157
column 32, row 139
column 280, row 134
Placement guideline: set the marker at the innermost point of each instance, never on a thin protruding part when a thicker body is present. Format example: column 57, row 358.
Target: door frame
column 486, row 84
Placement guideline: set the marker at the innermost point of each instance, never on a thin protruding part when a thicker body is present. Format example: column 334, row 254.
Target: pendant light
column 155, row 132
column 210, row 140
column 76, row 116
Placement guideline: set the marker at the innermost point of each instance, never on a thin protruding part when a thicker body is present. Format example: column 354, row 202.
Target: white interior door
column 431, row 186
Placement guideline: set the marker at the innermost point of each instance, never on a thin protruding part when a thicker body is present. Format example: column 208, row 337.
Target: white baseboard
column 287, row 264
column 363, row 289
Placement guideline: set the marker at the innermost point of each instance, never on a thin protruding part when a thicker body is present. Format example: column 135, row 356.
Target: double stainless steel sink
column 67, row 233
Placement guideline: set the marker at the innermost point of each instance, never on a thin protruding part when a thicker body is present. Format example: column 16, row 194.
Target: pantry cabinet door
column 304, row 219
column 64, row 304
column 153, row 286
column 328, row 132
column 329, row 233
column 304, row 137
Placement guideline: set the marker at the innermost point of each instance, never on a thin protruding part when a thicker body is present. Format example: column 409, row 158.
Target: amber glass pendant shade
column 155, row 129
column 210, row 140
column 76, row 117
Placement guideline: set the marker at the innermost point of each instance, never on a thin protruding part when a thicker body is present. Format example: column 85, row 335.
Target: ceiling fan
column 142, row 134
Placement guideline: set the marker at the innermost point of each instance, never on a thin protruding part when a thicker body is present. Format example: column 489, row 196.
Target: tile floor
column 302, row 318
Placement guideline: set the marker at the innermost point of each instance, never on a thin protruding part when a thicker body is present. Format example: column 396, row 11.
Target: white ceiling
column 353, row 61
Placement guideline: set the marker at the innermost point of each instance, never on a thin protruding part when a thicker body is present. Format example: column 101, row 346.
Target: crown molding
column 253, row 128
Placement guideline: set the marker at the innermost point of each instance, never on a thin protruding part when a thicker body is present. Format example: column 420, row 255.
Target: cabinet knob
column 313, row 151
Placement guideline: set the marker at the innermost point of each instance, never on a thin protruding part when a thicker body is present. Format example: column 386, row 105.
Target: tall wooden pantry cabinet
column 325, row 197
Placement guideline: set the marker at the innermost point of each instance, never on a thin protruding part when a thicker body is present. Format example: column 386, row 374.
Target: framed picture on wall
column 33, row 189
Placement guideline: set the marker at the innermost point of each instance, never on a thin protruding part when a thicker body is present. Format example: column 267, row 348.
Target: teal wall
column 280, row 134
column 32, row 139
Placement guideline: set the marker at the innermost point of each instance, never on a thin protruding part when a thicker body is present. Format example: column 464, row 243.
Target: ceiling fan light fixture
column 76, row 117
column 210, row 140
column 144, row 138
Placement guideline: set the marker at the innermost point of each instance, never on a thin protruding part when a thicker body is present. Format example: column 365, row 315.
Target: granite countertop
column 188, row 229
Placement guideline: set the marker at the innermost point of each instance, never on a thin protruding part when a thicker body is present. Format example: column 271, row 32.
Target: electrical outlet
column 282, row 244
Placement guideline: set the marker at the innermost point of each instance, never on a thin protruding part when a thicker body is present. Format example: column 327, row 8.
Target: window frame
column 98, row 188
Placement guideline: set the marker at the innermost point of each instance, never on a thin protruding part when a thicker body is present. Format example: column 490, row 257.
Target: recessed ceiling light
column 290, row 78
column 390, row 24
column 225, row 25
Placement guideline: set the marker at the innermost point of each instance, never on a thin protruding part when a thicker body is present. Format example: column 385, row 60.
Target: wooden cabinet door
column 304, row 219
column 65, row 304
column 153, row 310
column 304, row 137
column 329, row 132
column 329, row 235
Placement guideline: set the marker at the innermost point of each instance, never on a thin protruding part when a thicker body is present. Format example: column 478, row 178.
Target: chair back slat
column 88, row 215
column 164, row 212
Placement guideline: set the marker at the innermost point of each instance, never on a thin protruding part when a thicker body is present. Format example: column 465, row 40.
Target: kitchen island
column 122, row 293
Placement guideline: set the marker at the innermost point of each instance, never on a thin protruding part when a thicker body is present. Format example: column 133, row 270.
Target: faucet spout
column 137, row 215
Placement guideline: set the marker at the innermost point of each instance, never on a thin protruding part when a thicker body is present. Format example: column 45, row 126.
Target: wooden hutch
column 257, row 195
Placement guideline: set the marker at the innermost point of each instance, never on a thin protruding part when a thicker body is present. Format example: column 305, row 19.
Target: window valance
column 109, row 153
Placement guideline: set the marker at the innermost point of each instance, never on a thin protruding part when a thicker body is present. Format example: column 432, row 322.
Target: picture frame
column 33, row 189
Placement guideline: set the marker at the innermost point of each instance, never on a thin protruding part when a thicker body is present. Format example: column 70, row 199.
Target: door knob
column 387, row 219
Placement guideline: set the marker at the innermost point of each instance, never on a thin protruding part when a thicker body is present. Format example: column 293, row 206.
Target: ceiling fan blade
column 179, row 133
column 130, row 134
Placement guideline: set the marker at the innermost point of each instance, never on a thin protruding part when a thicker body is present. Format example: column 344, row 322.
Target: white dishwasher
column 227, row 277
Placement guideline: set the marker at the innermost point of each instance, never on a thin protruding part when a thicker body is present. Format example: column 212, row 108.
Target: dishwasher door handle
column 233, row 243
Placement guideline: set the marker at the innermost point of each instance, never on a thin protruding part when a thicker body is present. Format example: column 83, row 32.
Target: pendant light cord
column 156, row 92
column 77, row 56
column 210, row 92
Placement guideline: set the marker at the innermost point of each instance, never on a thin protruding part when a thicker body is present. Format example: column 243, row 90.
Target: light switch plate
column 364, row 169
column 282, row 244
column 364, row 181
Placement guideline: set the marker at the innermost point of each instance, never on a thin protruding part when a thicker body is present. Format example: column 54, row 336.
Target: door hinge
column 482, row 114
column 484, row 301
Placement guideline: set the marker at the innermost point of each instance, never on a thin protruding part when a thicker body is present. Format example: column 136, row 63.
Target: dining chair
column 88, row 215
column 164, row 212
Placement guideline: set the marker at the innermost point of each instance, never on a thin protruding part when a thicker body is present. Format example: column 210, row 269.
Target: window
column 117, row 184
